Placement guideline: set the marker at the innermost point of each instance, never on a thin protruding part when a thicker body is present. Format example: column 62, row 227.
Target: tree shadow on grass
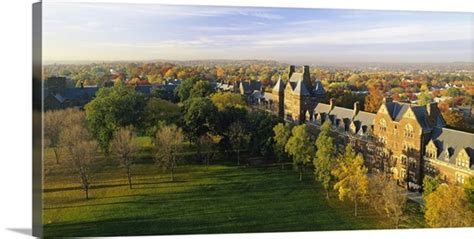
column 93, row 186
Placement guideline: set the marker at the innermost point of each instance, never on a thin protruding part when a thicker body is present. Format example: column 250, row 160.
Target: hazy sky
column 86, row 31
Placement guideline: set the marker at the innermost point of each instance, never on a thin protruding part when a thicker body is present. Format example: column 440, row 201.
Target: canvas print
column 174, row 119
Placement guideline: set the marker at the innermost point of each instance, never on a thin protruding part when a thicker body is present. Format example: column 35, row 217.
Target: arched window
column 383, row 125
column 408, row 131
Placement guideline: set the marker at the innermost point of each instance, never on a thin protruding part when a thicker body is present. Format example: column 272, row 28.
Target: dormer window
column 446, row 155
column 462, row 160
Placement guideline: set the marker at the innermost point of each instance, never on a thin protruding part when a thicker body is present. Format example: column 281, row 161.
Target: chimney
column 291, row 70
column 331, row 103
column 356, row 108
column 387, row 99
column 306, row 76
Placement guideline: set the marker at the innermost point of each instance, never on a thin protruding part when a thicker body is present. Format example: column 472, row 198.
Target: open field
column 221, row 199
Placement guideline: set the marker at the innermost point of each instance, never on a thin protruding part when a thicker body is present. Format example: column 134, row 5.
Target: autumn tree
column 351, row 177
column 373, row 100
column 227, row 99
column 448, row 206
column 80, row 152
column 424, row 98
column 387, row 197
column 300, row 148
column 455, row 119
column 168, row 141
column 124, row 148
column 238, row 138
column 469, row 190
column 282, row 133
column 325, row 154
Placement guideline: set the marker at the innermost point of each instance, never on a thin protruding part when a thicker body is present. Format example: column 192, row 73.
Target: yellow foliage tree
column 448, row 206
column 351, row 177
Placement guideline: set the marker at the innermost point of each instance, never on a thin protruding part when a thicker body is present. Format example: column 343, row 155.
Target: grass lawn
column 221, row 199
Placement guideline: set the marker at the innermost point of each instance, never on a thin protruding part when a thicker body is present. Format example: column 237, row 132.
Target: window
column 409, row 131
column 383, row 125
column 431, row 153
column 462, row 162
column 460, row 178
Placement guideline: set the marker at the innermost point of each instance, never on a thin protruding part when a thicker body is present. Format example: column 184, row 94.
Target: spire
column 279, row 86
column 319, row 89
column 300, row 89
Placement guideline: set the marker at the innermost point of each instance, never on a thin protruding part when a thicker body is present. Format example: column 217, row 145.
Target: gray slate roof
column 453, row 141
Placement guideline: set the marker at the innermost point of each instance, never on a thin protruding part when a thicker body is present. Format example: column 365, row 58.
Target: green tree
column 238, row 138
column 448, row 206
column 351, row 177
column 199, row 117
column 325, row 155
column 201, row 89
column 168, row 141
column 300, row 148
column 453, row 92
column 158, row 110
column 282, row 133
column 429, row 185
column 184, row 89
column 113, row 108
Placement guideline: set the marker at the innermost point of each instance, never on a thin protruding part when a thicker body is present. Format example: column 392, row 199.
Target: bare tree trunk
column 327, row 193
column 56, row 154
column 355, row 207
column 129, row 175
column 172, row 173
column 238, row 157
column 301, row 173
column 87, row 193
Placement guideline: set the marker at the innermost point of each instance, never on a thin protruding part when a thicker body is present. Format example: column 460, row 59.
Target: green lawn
column 222, row 199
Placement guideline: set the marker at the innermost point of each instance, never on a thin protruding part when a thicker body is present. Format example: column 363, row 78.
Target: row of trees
column 345, row 172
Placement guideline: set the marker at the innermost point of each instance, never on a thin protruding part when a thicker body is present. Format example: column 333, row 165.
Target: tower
column 278, row 96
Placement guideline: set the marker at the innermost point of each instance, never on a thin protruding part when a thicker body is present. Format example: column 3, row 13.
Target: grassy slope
column 221, row 199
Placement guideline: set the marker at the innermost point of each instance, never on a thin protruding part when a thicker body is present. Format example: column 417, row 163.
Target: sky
column 110, row 32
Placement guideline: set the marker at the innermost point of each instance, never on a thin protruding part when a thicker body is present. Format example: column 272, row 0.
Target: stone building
column 298, row 97
column 409, row 141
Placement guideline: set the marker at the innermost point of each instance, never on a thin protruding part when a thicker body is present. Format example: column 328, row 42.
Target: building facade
column 298, row 97
column 408, row 141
